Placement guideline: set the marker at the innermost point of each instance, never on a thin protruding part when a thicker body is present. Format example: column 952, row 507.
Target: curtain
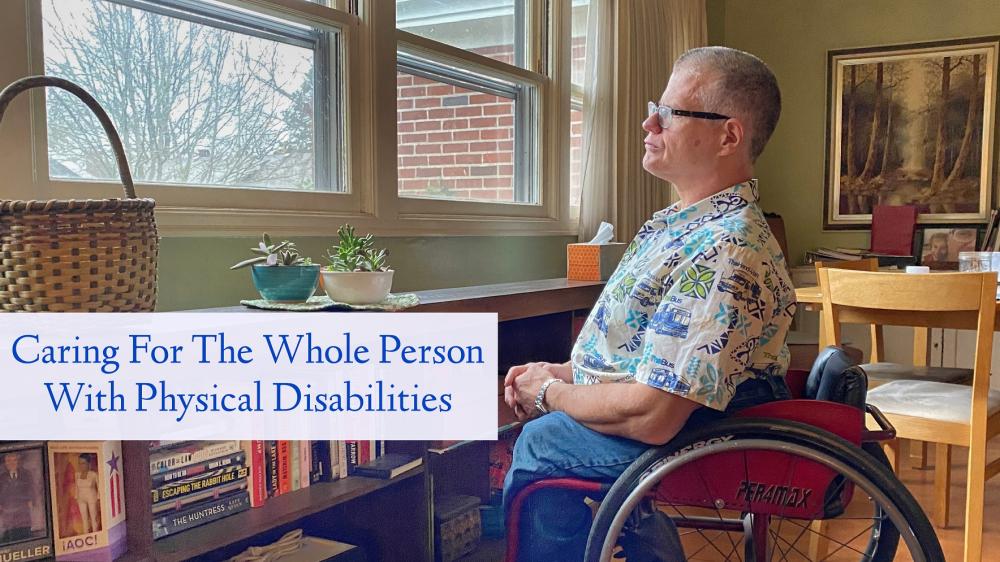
column 641, row 40
column 597, row 174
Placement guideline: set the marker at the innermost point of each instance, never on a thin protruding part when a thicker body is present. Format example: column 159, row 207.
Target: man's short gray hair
column 743, row 86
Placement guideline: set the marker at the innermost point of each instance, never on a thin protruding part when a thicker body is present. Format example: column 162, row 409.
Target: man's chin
column 653, row 166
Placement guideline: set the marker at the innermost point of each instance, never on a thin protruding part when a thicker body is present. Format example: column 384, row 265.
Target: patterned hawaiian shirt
column 700, row 302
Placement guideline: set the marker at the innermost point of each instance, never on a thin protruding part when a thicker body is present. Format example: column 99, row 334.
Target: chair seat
column 895, row 371
column 930, row 400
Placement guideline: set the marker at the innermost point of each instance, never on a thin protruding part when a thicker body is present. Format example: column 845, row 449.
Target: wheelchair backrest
column 835, row 377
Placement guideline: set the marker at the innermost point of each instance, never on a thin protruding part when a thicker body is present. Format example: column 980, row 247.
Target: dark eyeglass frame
column 666, row 114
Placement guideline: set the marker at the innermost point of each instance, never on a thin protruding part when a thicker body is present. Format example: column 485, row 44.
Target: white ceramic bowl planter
column 357, row 287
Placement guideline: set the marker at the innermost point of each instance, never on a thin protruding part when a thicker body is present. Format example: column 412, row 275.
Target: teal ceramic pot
column 288, row 283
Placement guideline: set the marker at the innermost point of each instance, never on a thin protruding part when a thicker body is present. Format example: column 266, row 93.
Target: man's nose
column 652, row 124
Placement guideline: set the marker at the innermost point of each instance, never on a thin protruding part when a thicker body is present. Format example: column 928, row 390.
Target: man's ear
column 732, row 137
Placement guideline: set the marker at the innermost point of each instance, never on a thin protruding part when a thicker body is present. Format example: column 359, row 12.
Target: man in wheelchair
column 694, row 317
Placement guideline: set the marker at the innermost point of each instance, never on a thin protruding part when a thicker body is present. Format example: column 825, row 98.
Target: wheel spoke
column 791, row 522
column 787, row 484
column 852, row 539
column 792, row 547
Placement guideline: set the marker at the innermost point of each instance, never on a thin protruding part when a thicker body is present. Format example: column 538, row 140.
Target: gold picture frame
column 887, row 143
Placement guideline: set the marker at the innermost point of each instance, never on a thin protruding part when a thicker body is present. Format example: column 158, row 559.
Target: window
column 454, row 142
column 243, row 116
column 467, row 130
column 578, row 64
column 202, row 93
column 492, row 28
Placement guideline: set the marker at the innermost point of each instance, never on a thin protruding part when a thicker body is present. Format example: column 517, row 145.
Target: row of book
column 852, row 254
column 198, row 482
column 66, row 499
column 62, row 500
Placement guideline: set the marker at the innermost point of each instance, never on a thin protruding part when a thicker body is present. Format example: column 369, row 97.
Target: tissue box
column 593, row 262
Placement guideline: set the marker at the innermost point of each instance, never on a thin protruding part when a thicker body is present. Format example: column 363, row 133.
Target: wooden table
column 811, row 299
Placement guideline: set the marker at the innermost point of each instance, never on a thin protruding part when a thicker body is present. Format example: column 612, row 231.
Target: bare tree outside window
column 194, row 104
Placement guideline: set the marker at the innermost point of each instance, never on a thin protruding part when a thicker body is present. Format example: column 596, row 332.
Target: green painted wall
column 194, row 272
column 793, row 37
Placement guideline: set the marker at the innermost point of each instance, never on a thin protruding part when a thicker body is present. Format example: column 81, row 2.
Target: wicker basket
column 93, row 255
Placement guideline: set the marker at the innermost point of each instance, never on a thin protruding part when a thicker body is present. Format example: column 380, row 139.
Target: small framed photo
column 940, row 246
column 25, row 533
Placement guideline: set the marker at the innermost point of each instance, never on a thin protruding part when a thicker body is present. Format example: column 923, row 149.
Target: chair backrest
column 943, row 300
column 868, row 264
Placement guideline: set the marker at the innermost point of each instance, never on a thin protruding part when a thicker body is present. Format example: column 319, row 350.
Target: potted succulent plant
column 280, row 273
column 358, row 273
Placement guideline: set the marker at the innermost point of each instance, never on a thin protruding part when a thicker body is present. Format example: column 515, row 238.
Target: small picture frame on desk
column 25, row 532
column 939, row 247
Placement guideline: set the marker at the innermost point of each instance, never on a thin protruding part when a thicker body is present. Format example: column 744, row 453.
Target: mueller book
column 25, row 532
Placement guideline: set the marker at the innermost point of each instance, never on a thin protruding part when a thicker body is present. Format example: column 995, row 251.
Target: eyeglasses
column 667, row 113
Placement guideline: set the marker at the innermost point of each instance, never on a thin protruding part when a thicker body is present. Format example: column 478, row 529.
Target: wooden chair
column 943, row 413
column 880, row 371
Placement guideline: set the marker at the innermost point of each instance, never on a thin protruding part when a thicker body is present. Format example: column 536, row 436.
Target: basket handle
column 10, row 92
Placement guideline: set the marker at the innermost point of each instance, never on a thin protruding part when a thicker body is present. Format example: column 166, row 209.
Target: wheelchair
column 799, row 479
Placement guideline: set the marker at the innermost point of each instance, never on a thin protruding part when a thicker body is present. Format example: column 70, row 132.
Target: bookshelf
column 385, row 517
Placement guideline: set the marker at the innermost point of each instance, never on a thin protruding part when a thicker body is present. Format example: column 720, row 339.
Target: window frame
column 438, row 55
column 367, row 70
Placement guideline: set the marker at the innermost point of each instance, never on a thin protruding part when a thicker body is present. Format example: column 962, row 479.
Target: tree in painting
column 911, row 134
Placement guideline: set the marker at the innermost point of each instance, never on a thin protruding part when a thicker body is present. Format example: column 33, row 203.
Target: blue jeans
column 555, row 523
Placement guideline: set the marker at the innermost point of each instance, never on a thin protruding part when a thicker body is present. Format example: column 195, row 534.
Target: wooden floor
column 921, row 484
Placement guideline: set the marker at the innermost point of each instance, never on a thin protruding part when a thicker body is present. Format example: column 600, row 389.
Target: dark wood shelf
column 536, row 324
column 275, row 512
column 510, row 301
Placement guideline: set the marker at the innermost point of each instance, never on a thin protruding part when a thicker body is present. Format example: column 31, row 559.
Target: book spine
column 272, row 468
column 284, row 468
column 296, row 465
column 369, row 472
column 320, row 466
column 342, row 454
column 200, row 514
column 305, row 463
column 196, row 469
column 352, row 456
column 208, row 481
column 156, row 446
column 334, row 460
column 165, row 461
column 364, row 452
column 258, row 487
column 175, row 505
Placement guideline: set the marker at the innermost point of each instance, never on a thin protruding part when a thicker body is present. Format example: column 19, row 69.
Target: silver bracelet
column 540, row 397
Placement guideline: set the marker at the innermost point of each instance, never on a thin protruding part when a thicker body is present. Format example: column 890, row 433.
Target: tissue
column 595, row 260
column 605, row 233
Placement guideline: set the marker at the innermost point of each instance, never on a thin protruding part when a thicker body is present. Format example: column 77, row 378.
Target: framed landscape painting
column 911, row 125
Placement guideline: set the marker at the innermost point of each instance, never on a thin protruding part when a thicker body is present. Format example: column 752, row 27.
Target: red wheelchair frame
column 804, row 497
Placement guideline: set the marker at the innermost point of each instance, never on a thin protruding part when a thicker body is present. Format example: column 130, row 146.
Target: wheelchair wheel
column 763, row 489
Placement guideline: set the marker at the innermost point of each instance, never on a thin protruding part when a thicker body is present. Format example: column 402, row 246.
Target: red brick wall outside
column 457, row 143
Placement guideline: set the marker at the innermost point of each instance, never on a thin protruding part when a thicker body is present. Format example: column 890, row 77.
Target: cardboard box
column 88, row 501
column 593, row 262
